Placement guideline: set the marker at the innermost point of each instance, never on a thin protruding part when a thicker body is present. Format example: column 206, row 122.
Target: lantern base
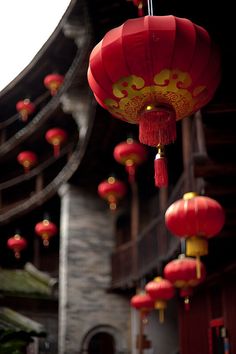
column 157, row 125
column 196, row 246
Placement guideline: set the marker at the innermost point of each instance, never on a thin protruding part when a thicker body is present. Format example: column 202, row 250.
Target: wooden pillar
column 187, row 154
column 134, row 226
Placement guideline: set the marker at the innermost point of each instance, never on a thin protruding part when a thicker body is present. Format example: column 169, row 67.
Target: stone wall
column 85, row 306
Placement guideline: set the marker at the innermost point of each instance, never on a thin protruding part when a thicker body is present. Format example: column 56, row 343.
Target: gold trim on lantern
column 189, row 195
column 196, row 246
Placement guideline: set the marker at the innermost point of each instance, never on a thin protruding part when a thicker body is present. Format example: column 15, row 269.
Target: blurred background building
column 74, row 275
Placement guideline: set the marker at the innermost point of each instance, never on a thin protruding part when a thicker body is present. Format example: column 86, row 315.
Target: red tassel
column 140, row 10
column 131, row 172
column 157, row 126
column 186, row 304
column 160, row 166
column 56, row 150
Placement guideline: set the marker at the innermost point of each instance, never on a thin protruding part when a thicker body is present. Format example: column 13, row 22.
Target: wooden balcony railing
column 133, row 260
column 155, row 245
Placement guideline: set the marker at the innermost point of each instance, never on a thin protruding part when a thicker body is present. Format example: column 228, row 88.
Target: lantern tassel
column 198, row 267
column 140, row 10
column 160, row 166
column 17, row 254
column 131, row 172
column 157, row 126
column 186, row 303
column 161, row 316
column 56, row 150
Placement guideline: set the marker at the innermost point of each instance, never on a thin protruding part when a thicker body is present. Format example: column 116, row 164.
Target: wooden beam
column 214, row 169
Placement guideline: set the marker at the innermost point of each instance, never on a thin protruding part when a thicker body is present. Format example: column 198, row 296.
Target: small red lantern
column 17, row 243
column 153, row 71
column 56, row 137
column 140, row 5
column 144, row 303
column 46, row 229
column 112, row 190
column 25, row 108
column 181, row 273
column 195, row 218
column 53, row 82
column 160, row 290
column 27, row 159
column 131, row 154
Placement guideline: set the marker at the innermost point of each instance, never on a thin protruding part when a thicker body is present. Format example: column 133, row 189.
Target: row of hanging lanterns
column 25, row 107
column 131, row 154
column 179, row 273
column 45, row 229
column 195, row 218
column 55, row 136
column 154, row 71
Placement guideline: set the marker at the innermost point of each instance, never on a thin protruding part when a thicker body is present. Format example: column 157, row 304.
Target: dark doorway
column 101, row 343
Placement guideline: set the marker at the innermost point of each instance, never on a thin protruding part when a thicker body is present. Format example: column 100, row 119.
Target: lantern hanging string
column 150, row 7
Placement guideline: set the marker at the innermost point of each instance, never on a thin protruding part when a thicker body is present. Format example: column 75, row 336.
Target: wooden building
column 99, row 257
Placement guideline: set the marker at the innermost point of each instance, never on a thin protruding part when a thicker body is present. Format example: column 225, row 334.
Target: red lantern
column 56, row 137
column 195, row 218
column 160, row 290
column 131, row 154
column 17, row 243
column 153, row 71
column 140, row 5
column 144, row 303
column 25, row 108
column 27, row 159
column 112, row 190
column 181, row 273
column 53, row 82
column 46, row 229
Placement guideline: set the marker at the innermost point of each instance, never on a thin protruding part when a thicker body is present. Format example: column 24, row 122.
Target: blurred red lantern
column 195, row 218
column 53, row 82
column 131, row 154
column 144, row 303
column 56, row 137
column 17, row 243
column 25, row 108
column 46, row 229
column 112, row 190
column 153, row 71
column 160, row 290
column 181, row 273
column 140, row 5
column 27, row 159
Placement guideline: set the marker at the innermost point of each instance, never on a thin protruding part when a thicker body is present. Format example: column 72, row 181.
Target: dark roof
column 28, row 282
column 15, row 322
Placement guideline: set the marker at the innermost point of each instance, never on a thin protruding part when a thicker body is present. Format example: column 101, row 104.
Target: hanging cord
column 150, row 7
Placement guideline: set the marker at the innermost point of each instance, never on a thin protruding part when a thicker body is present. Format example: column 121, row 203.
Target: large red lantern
column 131, row 154
column 112, row 190
column 160, row 290
column 27, row 159
column 17, row 243
column 56, row 137
column 195, row 218
column 181, row 273
column 143, row 303
column 53, row 82
column 25, row 108
column 46, row 229
column 153, row 71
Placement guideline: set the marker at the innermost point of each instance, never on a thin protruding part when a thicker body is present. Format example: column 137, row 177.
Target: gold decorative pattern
column 170, row 87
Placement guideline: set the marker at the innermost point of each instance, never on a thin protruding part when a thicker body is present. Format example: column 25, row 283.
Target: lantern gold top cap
column 189, row 195
column 158, row 279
